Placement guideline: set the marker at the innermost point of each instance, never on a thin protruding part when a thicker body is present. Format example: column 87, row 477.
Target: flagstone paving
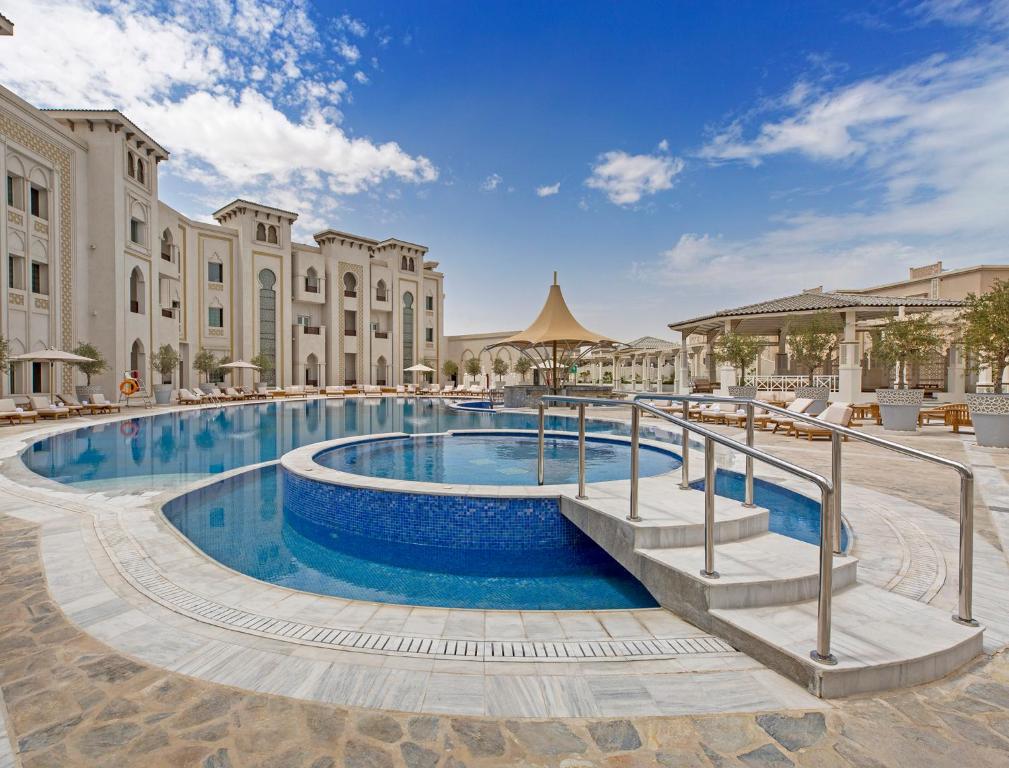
column 71, row 701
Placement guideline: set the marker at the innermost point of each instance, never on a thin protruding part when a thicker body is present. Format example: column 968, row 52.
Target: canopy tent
column 556, row 340
column 241, row 365
column 51, row 356
column 419, row 368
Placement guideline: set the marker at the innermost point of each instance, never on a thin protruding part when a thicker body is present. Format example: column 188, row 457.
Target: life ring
column 129, row 387
column 129, row 429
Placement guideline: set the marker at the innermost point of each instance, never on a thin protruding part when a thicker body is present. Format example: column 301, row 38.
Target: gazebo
column 776, row 318
column 556, row 340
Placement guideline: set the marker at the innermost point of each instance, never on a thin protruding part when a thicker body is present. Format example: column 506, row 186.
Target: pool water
column 174, row 448
column 509, row 459
column 240, row 522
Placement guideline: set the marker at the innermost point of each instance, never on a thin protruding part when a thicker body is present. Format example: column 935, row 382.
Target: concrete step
column 768, row 569
column 881, row 641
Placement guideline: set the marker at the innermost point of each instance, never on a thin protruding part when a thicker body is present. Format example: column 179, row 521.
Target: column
column 645, row 372
column 726, row 373
column 683, row 368
column 781, row 358
column 956, row 374
column 850, row 363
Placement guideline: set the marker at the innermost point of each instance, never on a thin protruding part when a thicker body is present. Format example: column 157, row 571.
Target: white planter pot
column 899, row 408
column 742, row 391
column 162, row 394
column 990, row 414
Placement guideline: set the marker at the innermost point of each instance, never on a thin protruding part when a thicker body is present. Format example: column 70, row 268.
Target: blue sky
column 668, row 159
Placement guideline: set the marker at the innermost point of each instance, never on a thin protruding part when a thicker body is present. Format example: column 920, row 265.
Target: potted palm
column 902, row 342
column 265, row 364
column 811, row 346
column 740, row 352
column 500, row 368
column 984, row 333
column 93, row 367
column 165, row 361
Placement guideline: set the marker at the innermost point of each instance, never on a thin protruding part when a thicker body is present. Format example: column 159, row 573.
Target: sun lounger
column 69, row 401
column 799, row 405
column 99, row 401
column 186, row 397
column 15, row 414
column 838, row 414
column 47, row 410
column 372, row 390
column 334, row 391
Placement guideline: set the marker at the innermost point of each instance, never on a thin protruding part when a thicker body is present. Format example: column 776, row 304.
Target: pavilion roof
column 807, row 303
column 555, row 323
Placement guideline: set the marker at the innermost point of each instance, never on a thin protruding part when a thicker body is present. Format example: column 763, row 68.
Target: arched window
column 140, row 171
column 349, row 285
column 412, row 267
column 272, row 234
column 404, row 264
column 138, row 358
column 137, row 291
column 311, row 281
column 268, row 323
column 261, row 232
column 381, row 371
column 408, row 335
column 167, row 253
column 312, row 370
column 131, row 167
column 381, row 292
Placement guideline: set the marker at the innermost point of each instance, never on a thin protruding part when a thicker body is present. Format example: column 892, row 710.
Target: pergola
column 776, row 318
column 642, row 355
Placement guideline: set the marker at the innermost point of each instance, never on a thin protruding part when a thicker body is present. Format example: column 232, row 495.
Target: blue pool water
column 241, row 522
column 492, row 459
column 208, row 441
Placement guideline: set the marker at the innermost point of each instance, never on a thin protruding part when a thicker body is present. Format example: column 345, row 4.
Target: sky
column 667, row 159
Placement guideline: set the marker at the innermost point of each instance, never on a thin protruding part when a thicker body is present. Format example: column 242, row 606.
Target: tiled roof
column 651, row 342
column 814, row 300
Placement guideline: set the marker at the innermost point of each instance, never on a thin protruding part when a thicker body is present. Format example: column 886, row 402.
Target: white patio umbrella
column 418, row 368
column 51, row 356
column 241, row 365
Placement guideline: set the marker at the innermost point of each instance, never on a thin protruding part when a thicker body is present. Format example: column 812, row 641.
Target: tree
column 984, row 330
column 165, row 360
column 500, row 368
column 220, row 372
column 205, row 362
column 473, row 367
column 95, row 366
column 911, row 340
column 263, row 362
column 811, row 343
column 738, row 350
column 522, row 366
column 450, row 368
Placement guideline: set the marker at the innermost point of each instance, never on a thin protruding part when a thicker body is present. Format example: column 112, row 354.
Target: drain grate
column 136, row 568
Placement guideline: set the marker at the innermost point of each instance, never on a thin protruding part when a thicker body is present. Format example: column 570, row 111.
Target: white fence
column 789, row 383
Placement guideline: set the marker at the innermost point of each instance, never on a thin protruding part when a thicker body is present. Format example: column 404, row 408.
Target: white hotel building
column 94, row 255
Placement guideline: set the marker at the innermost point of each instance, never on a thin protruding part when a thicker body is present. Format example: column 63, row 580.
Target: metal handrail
column 964, row 613
column 822, row 651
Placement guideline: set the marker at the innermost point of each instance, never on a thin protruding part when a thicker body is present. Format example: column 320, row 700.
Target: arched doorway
column 312, row 370
column 382, row 371
column 137, row 291
column 138, row 360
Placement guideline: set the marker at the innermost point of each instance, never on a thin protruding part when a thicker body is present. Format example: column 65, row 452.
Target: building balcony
column 311, row 292
column 350, row 331
column 381, row 334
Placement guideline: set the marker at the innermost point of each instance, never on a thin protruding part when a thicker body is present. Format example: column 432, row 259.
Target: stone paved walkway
column 71, row 701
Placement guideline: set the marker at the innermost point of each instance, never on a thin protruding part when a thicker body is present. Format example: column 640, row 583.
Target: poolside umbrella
column 51, row 356
column 418, row 368
column 241, row 365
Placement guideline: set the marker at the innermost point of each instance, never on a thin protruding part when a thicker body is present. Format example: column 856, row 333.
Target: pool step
column 881, row 641
column 769, row 569
column 765, row 601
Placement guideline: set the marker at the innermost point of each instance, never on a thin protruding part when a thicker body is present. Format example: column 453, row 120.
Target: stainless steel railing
column 822, row 651
column 964, row 613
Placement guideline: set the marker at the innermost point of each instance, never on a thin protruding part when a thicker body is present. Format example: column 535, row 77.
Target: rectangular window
column 215, row 272
column 429, row 303
column 15, row 192
column 40, row 278
column 39, row 203
column 429, row 335
column 216, row 319
column 137, row 231
column 304, row 319
column 15, row 272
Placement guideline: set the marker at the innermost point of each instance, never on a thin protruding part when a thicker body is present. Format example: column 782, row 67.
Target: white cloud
column 491, row 183
column 240, row 91
column 964, row 12
column 356, row 27
column 663, row 145
column 548, row 190
column 627, row 178
column 361, row 78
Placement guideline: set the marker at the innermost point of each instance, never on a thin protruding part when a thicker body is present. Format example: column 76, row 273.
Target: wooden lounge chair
column 940, row 414
column 71, row 402
column 372, row 391
column 798, row 405
column 186, row 397
column 107, row 406
column 839, row 414
column 15, row 414
column 334, row 391
column 47, row 410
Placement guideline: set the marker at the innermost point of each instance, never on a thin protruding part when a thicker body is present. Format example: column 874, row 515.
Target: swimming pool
column 492, row 459
column 242, row 522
